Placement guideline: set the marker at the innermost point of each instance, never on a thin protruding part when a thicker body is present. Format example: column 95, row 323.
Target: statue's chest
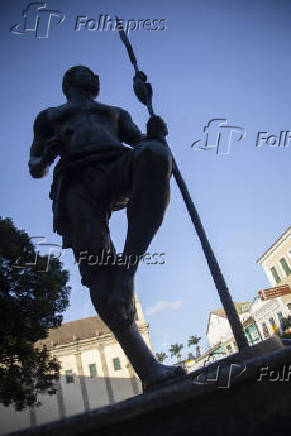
column 74, row 116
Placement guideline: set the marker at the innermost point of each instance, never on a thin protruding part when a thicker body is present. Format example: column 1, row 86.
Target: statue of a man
column 95, row 175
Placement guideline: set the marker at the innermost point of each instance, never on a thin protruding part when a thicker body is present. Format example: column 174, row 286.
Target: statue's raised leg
column 117, row 311
column 151, row 173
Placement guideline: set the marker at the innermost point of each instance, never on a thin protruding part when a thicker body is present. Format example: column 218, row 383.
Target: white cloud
column 163, row 305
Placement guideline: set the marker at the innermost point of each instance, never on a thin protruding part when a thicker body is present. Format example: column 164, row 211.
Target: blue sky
column 226, row 59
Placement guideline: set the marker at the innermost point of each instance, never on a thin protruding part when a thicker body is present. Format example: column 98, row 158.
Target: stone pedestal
column 240, row 396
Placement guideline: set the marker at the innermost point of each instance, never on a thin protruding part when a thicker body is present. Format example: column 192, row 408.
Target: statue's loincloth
column 103, row 177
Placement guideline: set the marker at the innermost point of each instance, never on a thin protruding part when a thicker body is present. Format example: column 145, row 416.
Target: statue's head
column 81, row 78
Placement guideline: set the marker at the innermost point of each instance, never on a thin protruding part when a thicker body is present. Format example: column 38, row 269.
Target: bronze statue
column 144, row 92
column 95, row 175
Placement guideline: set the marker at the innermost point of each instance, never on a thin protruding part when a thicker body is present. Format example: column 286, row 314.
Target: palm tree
column 194, row 340
column 161, row 356
column 175, row 350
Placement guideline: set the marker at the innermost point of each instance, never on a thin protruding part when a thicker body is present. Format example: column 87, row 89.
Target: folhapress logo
column 38, row 20
column 220, row 136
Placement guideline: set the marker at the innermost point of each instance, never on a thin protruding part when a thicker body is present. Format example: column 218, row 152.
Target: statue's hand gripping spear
column 143, row 91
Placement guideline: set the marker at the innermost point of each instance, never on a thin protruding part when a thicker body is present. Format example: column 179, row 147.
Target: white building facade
column 275, row 302
column 276, row 261
column 260, row 318
column 95, row 372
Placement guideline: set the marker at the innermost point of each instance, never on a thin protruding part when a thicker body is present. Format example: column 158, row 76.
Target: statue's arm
column 128, row 131
column 40, row 157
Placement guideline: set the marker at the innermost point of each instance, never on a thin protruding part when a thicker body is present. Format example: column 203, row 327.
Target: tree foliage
column 175, row 350
column 161, row 356
column 33, row 294
column 193, row 340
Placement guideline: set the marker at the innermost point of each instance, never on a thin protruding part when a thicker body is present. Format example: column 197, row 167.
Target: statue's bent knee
column 154, row 154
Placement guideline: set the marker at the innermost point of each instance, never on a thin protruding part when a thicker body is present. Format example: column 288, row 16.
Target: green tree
column 161, row 356
column 31, row 302
column 194, row 340
column 175, row 350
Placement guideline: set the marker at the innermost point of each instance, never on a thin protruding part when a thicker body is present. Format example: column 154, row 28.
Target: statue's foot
column 160, row 374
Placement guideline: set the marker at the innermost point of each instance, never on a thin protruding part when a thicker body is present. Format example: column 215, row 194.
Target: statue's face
column 83, row 78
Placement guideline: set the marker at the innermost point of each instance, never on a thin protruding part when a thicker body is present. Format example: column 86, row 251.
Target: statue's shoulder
column 41, row 119
column 120, row 110
column 41, row 115
column 108, row 107
column 52, row 109
column 56, row 113
column 47, row 114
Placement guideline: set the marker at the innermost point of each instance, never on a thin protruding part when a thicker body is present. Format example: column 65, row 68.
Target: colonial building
column 260, row 318
column 94, row 372
column 270, row 307
column 275, row 302
column 218, row 328
column 276, row 261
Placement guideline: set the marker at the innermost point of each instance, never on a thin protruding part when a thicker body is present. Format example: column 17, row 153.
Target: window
column 229, row 348
column 285, row 266
column 116, row 364
column 255, row 336
column 265, row 330
column 69, row 376
column 275, row 275
column 92, row 370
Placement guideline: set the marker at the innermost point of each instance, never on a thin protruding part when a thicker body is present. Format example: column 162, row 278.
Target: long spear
column 143, row 91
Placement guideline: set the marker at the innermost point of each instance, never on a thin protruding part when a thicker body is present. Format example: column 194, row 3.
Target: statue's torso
column 86, row 127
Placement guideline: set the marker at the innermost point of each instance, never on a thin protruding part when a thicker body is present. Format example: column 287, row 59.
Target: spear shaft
column 220, row 284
